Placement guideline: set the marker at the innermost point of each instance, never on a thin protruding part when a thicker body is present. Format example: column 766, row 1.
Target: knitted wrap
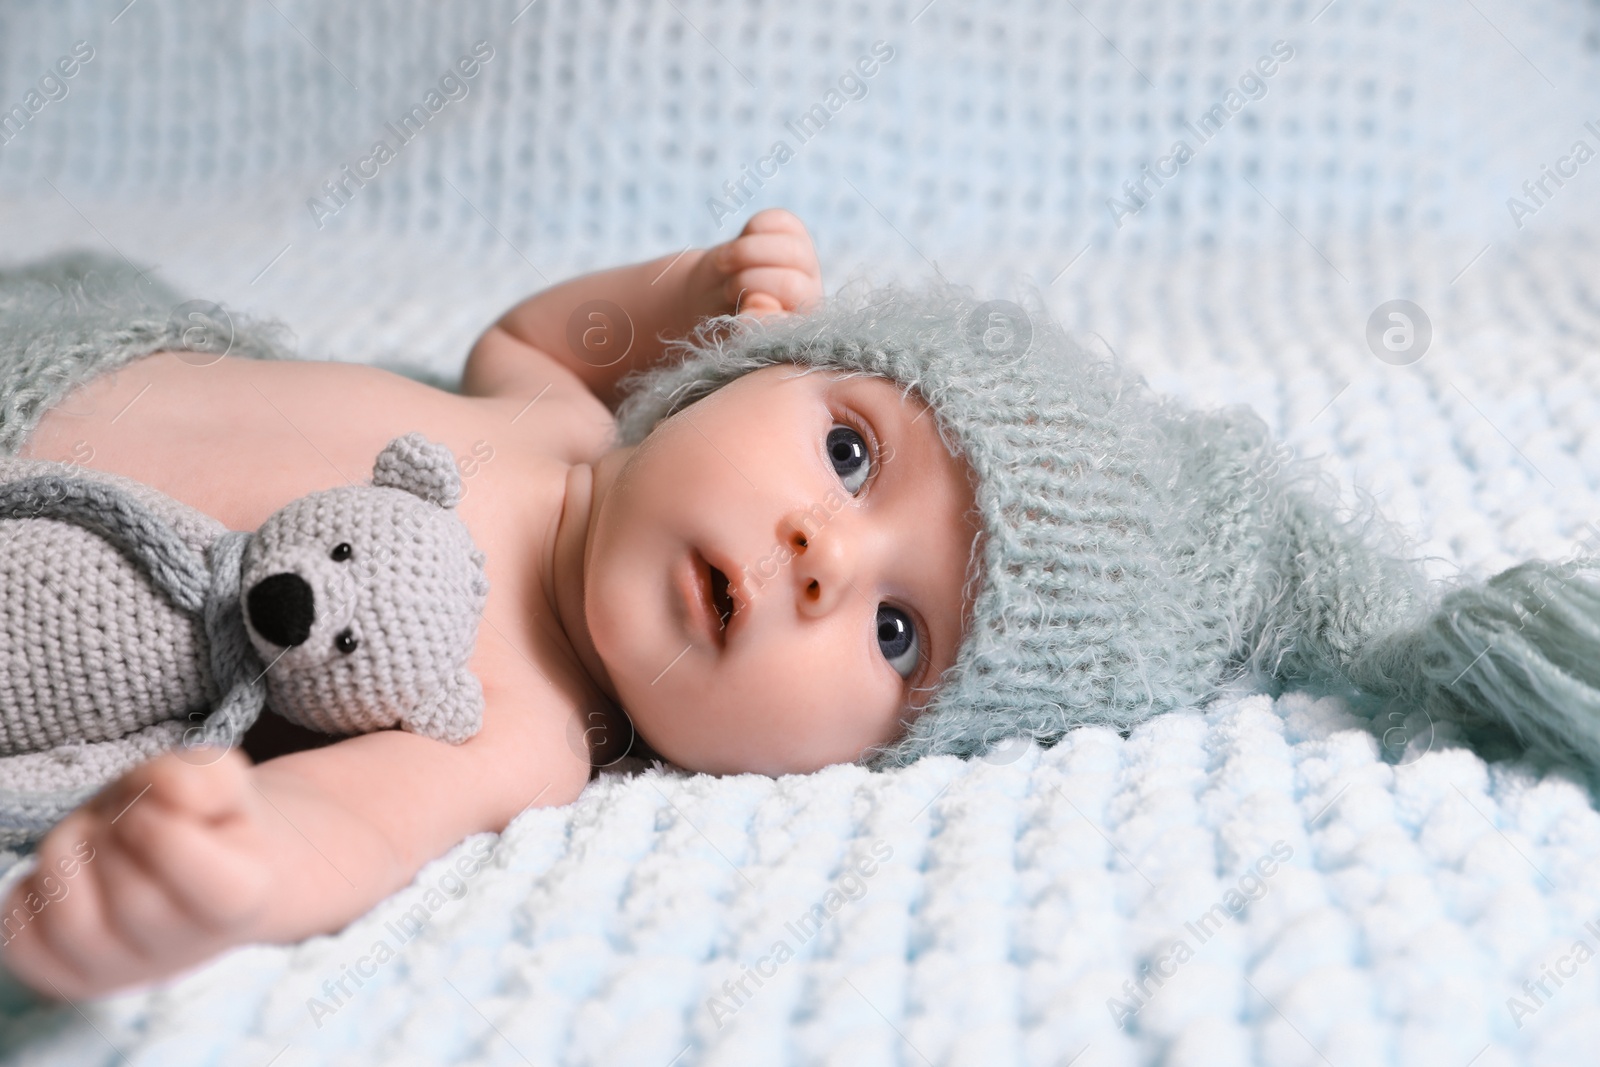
column 1135, row 556
column 69, row 317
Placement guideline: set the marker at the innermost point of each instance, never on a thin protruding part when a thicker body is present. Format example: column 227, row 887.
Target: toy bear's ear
column 420, row 467
column 452, row 715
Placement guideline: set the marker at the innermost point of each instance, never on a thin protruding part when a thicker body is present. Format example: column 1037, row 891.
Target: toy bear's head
column 363, row 601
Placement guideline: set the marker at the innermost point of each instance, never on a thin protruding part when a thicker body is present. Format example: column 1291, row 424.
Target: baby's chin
column 682, row 727
column 758, row 757
column 700, row 751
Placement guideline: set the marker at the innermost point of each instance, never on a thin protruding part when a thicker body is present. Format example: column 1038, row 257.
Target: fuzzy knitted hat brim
column 1137, row 556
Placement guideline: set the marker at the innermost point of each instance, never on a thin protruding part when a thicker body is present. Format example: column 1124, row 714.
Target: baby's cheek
column 819, row 719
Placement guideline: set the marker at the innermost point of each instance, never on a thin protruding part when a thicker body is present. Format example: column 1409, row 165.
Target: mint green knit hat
column 1136, row 556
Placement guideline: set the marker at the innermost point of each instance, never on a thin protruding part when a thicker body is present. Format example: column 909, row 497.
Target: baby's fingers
column 67, row 940
column 771, row 289
column 137, row 906
column 206, row 788
column 775, row 220
column 208, row 872
column 769, row 250
column 759, row 305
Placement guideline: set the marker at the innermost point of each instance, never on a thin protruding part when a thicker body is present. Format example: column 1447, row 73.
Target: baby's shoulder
column 544, row 406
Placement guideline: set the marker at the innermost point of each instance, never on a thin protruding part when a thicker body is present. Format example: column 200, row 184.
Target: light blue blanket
column 1266, row 880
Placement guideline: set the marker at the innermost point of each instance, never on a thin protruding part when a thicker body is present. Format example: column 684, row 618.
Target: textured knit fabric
column 70, row 317
column 1428, row 880
column 100, row 583
column 103, row 651
column 351, row 609
column 397, row 588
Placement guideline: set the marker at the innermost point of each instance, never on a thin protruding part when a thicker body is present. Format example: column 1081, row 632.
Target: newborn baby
column 890, row 527
column 617, row 579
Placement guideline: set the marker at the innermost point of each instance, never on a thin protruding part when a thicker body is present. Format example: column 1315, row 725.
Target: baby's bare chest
column 240, row 438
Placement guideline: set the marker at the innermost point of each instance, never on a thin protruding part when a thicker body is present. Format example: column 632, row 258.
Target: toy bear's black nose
column 282, row 608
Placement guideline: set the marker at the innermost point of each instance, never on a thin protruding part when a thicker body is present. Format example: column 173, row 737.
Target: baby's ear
column 420, row 467
column 452, row 715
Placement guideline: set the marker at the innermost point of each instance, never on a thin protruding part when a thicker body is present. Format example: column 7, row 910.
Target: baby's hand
column 770, row 268
column 168, row 868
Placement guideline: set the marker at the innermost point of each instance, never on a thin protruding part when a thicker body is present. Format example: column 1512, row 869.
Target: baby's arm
column 178, row 861
column 770, row 267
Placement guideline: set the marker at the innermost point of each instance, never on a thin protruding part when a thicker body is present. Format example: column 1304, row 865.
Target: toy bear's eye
column 346, row 641
column 341, row 552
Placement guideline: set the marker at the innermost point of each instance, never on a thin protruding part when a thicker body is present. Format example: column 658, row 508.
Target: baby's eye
column 850, row 459
column 897, row 639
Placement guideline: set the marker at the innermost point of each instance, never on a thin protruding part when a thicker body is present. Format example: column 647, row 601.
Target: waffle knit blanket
column 1266, row 880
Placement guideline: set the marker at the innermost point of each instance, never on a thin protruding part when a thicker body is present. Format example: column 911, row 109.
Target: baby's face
column 842, row 528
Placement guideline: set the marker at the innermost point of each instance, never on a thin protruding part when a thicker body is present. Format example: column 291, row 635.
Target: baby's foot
column 770, row 268
column 167, row 868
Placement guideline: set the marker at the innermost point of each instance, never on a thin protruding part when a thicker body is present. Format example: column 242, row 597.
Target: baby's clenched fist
column 771, row 267
column 167, row 867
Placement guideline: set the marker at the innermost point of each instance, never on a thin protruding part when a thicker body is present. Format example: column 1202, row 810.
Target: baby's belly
column 240, row 438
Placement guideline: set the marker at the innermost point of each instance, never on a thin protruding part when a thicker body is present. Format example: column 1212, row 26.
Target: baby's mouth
column 720, row 600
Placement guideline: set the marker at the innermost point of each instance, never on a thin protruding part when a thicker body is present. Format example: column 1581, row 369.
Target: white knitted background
column 1424, row 885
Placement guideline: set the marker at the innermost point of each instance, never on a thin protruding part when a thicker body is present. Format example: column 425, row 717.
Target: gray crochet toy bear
column 126, row 615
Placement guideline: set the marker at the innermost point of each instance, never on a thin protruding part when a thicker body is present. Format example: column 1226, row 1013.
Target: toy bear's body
column 131, row 624
column 93, row 651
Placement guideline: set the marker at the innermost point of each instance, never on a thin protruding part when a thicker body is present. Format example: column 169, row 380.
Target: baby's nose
column 282, row 608
column 823, row 566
